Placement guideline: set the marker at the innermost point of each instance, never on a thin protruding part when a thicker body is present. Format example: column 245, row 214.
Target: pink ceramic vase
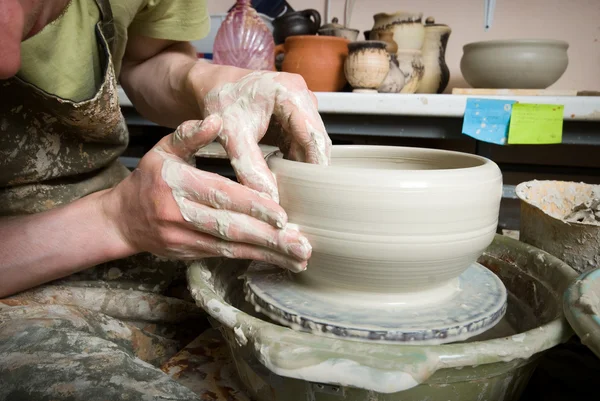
column 244, row 40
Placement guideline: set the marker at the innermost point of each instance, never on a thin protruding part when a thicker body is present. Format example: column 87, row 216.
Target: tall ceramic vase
column 244, row 40
column 436, row 74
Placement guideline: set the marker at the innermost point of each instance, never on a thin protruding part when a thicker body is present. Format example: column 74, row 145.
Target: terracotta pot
column 318, row 59
column 410, row 63
column 306, row 22
column 367, row 65
column 408, row 28
column 436, row 76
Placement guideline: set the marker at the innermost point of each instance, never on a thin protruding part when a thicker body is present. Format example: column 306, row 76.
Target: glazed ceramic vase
column 436, row 74
column 410, row 63
column 318, row 59
column 244, row 40
column 306, row 22
column 367, row 65
column 339, row 30
column 408, row 29
column 391, row 219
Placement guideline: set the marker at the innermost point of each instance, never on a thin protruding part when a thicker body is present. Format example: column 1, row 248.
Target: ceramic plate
column 582, row 309
column 478, row 303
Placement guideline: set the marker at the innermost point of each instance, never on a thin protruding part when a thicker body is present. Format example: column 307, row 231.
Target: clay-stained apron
column 102, row 333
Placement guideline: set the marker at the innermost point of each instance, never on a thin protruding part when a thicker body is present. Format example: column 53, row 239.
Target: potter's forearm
column 42, row 247
column 167, row 84
column 157, row 86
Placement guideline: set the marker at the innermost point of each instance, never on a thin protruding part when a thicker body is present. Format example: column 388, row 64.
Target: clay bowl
column 514, row 64
column 391, row 219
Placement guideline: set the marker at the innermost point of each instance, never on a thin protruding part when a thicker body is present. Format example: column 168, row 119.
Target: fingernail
column 280, row 220
column 301, row 249
column 297, row 267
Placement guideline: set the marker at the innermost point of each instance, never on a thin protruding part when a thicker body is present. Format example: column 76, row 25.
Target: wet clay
column 385, row 219
column 590, row 298
column 587, row 212
column 556, row 216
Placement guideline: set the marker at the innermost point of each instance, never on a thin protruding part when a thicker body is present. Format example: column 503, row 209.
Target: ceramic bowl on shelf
column 390, row 219
column 514, row 64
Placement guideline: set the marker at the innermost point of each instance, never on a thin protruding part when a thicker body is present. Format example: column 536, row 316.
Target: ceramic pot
column 514, row 64
column 410, row 63
column 367, row 35
column 388, row 38
column 408, row 29
column 367, row 65
column 394, row 80
column 543, row 224
column 391, row 219
column 306, row 22
column 436, row 74
column 318, row 59
column 338, row 30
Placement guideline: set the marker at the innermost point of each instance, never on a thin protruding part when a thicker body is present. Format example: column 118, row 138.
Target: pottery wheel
column 476, row 304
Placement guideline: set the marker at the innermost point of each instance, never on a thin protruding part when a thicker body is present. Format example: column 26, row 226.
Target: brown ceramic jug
column 318, row 59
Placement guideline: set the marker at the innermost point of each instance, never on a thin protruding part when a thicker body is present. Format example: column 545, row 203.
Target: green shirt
column 63, row 59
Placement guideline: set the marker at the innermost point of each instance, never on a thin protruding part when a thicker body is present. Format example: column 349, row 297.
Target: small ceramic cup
column 410, row 63
column 367, row 65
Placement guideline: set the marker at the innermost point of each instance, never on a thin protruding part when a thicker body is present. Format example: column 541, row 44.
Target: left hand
column 246, row 101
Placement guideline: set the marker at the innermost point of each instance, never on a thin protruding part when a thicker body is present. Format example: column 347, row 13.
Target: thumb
column 191, row 136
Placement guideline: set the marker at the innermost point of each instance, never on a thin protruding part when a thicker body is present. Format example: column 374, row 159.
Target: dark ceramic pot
column 306, row 22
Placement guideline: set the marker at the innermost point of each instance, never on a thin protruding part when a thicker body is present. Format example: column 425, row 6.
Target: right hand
column 172, row 209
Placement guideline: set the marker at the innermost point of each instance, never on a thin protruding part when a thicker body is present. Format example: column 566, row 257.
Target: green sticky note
column 532, row 124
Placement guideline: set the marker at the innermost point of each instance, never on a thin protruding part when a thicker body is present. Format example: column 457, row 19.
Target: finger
column 205, row 246
column 248, row 162
column 236, row 227
column 190, row 136
column 221, row 193
column 310, row 136
column 296, row 152
column 300, row 118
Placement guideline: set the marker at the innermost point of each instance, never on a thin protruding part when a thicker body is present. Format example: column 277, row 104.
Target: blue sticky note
column 487, row 120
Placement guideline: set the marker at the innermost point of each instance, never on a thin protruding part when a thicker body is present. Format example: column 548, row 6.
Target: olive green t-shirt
column 64, row 60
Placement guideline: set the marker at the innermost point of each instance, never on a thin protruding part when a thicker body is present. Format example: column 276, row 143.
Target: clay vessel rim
column 398, row 13
column 366, row 44
column 440, row 26
column 338, row 29
column 350, row 151
column 516, row 42
column 521, row 190
column 297, row 38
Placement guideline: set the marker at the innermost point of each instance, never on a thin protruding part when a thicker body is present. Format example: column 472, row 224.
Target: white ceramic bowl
column 391, row 219
column 514, row 64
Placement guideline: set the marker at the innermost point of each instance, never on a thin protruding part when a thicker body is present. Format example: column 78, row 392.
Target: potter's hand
column 170, row 208
column 246, row 101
